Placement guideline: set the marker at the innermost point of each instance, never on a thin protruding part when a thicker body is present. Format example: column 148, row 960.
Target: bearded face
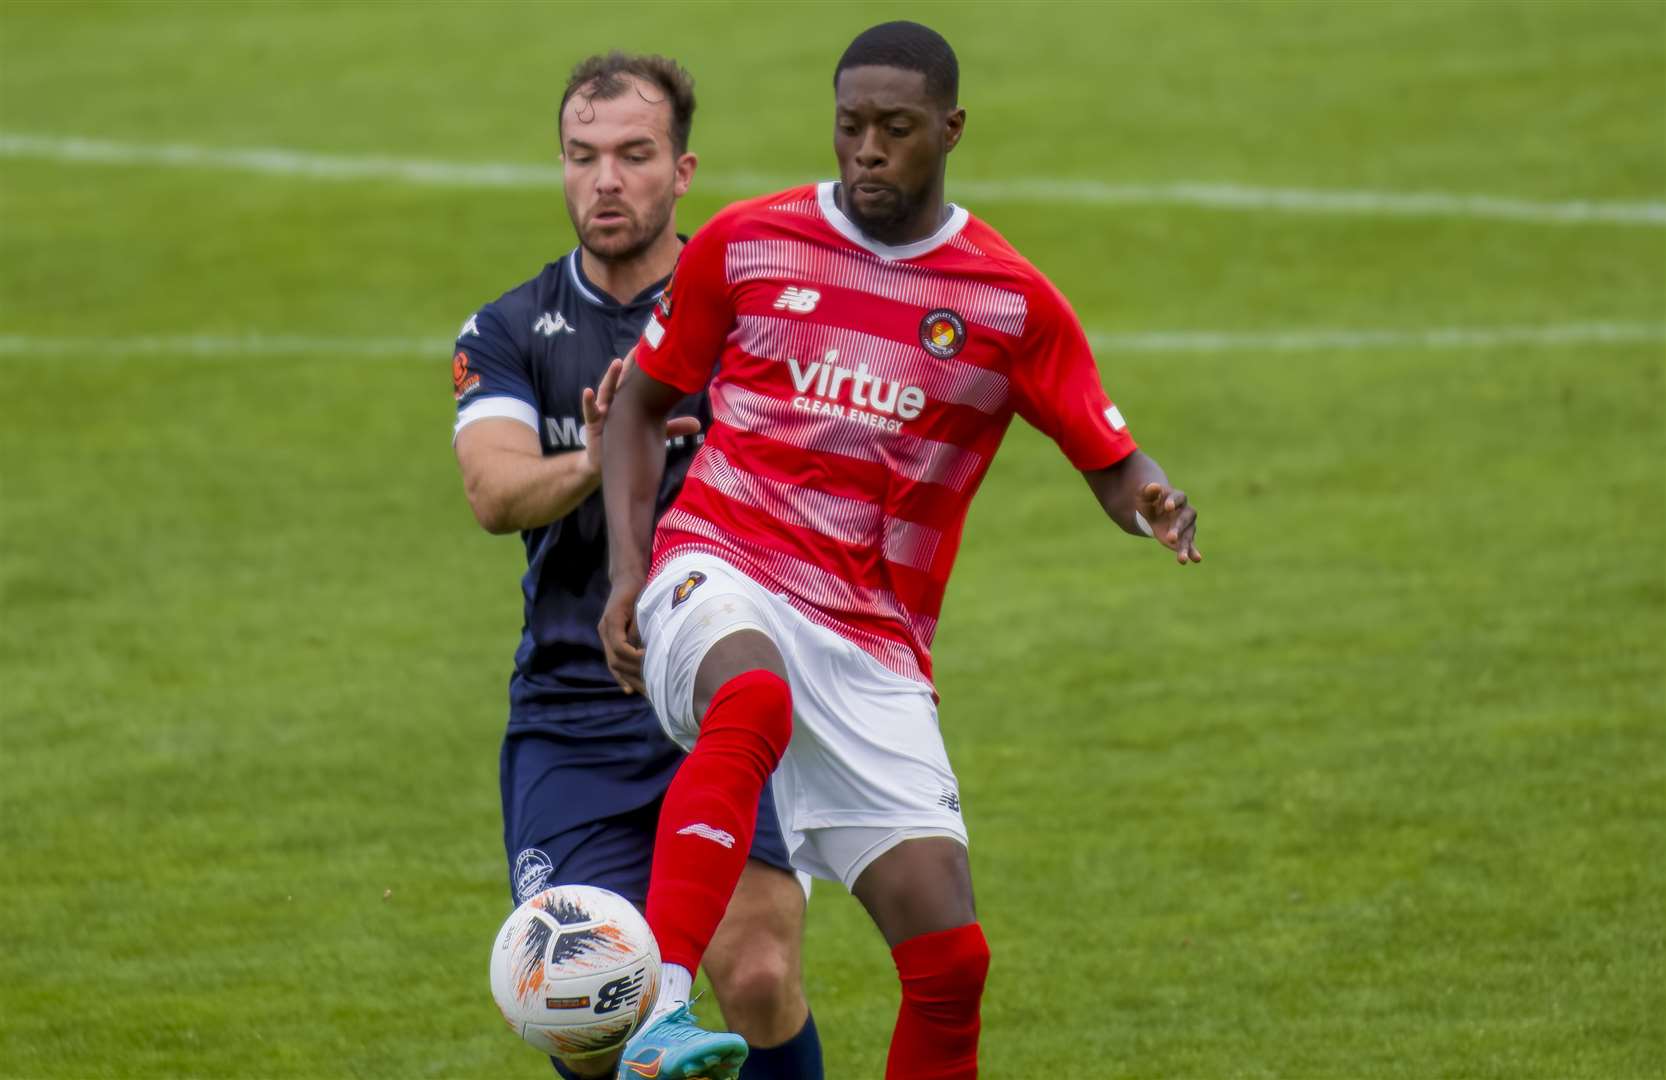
column 620, row 170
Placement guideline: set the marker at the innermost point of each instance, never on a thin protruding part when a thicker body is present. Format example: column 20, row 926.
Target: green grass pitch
column 1379, row 790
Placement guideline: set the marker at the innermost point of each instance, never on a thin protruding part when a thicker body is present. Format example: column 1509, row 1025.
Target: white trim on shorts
column 849, row 850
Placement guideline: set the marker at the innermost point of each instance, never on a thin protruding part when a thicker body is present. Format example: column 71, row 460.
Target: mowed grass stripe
column 285, row 161
column 231, row 347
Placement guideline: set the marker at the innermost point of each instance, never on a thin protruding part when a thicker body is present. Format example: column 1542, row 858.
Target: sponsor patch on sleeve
column 1113, row 416
column 463, row 381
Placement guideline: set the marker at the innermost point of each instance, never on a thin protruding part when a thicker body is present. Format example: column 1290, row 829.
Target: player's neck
column 924, row 222
column 624, row 279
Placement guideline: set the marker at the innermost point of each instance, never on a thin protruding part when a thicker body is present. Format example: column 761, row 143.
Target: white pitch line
column 223, row 345
column 278, row 161
column 436, row 347
column 1440, row 337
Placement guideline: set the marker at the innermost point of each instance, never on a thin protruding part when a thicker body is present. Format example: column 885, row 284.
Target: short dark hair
column 603, row 78
column 909, row 46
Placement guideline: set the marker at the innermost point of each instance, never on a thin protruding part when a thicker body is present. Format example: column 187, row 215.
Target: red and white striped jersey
column 859, row 395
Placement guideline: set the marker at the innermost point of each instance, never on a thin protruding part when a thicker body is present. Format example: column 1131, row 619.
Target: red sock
column 942, row 986
column 710, row 812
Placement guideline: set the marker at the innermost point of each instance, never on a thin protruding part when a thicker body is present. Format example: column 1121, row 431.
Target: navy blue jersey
column 529, row 356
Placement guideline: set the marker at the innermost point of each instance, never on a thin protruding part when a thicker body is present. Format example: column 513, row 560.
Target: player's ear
column 954, row 126
column 684, row 175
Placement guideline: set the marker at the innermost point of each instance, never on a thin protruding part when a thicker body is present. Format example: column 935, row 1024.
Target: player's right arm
column 511, row 484
column 674, row 358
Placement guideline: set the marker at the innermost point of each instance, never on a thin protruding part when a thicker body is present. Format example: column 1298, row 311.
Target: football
column 575, row 971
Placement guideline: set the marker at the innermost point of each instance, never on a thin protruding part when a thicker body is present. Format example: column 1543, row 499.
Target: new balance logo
column 621, row 992
column 950, row 799
column 550, row 327
column 795, row 299
column 706, row 832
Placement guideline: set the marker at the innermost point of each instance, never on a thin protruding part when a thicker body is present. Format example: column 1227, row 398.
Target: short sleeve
column 1056, row 386
column 489, row 373
column 684, row 336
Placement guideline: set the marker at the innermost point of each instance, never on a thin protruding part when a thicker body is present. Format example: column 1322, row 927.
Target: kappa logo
column 685, row 588
column 550, row 326
column 470, row 328
column 793, row 298
column 708, row 832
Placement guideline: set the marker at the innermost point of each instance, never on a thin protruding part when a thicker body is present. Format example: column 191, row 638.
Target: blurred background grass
column 1378, row 790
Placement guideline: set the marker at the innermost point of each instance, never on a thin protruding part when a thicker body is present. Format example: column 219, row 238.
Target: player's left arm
column 1056, row 387
column 1137, row 495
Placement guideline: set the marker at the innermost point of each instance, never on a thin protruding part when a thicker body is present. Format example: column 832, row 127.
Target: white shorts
column 866, row 768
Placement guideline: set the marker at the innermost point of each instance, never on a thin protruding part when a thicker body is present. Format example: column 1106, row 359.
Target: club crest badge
column 943, row 333
column 532, row 869
column 685, row 588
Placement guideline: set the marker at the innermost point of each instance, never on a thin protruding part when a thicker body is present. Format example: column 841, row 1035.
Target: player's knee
column 761, row 702
column 945, row 972
column 756, row 982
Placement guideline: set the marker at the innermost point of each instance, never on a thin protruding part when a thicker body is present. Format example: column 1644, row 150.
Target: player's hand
column 1173, row 521
column 620, row 639
column 595, row 403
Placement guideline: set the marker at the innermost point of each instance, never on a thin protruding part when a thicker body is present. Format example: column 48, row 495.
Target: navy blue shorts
column 581, row 800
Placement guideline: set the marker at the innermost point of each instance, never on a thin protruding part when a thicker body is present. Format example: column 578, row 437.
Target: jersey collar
column 575, row 274
column 958, row 216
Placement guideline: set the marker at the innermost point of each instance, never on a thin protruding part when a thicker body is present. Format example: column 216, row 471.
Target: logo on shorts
column 686, row 587
column 532, row 869
column 950, row 800
column 943, row 333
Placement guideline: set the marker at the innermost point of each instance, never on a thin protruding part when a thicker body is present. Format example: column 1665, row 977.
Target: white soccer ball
column 575, row 971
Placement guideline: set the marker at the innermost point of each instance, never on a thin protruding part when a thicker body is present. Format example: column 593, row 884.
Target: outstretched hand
column 595, row 404
column 1173, row 522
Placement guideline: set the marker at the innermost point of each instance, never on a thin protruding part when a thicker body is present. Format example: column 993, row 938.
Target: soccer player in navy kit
column 584, row 764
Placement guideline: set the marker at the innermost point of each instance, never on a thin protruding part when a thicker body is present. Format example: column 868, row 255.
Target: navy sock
column 562, row 1071
column 799, row 1058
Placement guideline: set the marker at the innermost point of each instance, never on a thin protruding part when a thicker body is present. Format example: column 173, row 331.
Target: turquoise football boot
column 674, row 1047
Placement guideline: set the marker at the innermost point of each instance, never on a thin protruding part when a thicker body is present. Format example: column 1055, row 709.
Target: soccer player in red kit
column 871, row 344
